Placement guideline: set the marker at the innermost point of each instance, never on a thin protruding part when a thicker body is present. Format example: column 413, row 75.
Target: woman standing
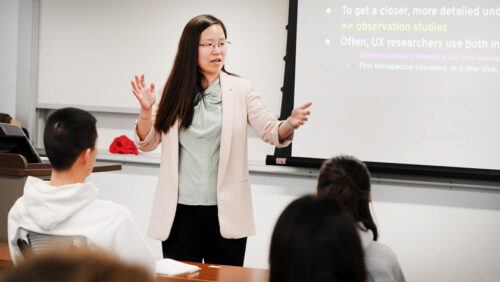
column 202, row 208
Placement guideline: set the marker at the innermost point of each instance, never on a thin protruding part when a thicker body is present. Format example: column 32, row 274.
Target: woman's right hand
column 145, row 95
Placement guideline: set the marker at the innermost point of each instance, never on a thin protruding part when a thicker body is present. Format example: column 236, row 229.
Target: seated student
column 347, row 180
column 6, row 118
column 82, row 266
column 315, row 240
column 67, row 205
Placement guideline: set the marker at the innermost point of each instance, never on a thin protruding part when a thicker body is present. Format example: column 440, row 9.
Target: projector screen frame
column 283, row 156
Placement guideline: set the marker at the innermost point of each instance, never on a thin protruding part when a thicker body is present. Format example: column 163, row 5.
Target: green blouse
column 199, row 150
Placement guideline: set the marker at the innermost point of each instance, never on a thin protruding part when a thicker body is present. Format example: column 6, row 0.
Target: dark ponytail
column 347, row 180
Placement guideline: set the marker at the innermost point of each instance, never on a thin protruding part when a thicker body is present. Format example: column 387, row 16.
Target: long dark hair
column 347, row 180
column 186, row 78
column 315, row 240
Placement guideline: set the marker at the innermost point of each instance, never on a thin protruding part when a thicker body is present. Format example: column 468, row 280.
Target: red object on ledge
column 123, row 145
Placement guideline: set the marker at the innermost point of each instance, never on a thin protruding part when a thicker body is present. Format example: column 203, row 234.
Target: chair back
column 39, row 243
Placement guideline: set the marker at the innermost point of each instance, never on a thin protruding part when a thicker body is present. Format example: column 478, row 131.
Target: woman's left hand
column 299, row 116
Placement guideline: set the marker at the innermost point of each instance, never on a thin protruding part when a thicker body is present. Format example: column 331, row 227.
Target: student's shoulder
column 380, row 249
column 380, row 256
column 18, row 209
column 382, row 263
column 112, row 209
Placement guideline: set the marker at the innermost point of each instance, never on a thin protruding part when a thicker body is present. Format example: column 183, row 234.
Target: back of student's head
column 76, row 266
column 315, row 240
column 5, row 118
column 68, row 132
column 347, row 180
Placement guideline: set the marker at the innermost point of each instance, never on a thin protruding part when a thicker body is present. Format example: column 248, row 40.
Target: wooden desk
column 207, row 272
column 5, row 260
column 227, row 273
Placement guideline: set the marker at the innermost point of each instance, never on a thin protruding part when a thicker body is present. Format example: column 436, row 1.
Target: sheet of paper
column 173, row 267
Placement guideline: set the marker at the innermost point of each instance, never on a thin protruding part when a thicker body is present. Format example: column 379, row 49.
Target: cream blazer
column 241, row 106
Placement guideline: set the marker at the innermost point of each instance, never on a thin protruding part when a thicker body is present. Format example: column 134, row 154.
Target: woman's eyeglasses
column 213, row 45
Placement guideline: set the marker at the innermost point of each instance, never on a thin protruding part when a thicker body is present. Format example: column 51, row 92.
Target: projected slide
column 411, row 82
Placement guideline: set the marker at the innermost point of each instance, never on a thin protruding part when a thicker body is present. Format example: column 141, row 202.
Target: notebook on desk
column 173, row 267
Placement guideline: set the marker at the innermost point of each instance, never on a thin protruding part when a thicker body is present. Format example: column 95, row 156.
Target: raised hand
column 145, row 95
column 299, row 116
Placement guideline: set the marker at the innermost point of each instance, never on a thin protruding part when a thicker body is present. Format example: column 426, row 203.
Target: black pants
column 195, row 236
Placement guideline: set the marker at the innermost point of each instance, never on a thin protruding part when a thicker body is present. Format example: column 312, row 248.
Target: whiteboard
column 90, row 50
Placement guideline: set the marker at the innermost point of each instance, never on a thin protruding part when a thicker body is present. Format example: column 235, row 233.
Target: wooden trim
column 16, row 165
column 14, row 161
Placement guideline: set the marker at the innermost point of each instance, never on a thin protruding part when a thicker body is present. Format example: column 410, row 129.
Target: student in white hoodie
column 67, row 205
column 347, row 180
